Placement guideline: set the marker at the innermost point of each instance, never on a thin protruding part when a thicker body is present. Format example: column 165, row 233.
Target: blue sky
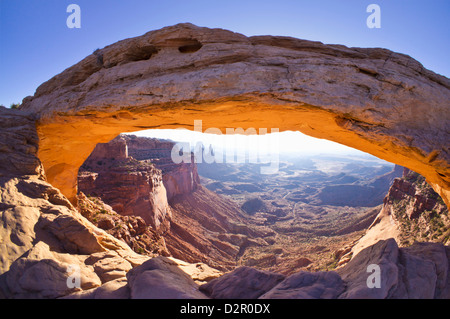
column 35, row 43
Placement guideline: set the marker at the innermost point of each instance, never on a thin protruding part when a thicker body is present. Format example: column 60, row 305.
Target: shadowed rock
column 160, row 278
column 242, row 283
column 307, row 285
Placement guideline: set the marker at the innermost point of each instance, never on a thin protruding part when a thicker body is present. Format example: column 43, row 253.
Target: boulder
column 436, row 276
column 355, row 274
column 416, row 272
column 41, row 273
column 242, row 283
column 114, row 289
column 17, row 233
column 109, row 265
column 199, row 272
column 308, row 285
column 160, row 278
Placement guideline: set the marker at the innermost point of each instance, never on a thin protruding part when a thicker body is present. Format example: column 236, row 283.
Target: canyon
column 149, row 229
column 282, row 222
column 199, row 225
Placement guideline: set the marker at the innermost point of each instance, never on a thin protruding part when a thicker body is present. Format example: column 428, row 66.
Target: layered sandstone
column 129, row 186
column 133, row 230
column 200, row 226
column 375, row 100
column 411, row 212
column 178, row 178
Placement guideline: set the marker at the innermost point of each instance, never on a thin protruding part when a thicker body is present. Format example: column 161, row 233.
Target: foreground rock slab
column 416, row 272
column 242, row 283
column 306, row 285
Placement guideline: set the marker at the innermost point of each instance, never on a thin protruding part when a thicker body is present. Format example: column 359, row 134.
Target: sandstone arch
column 375, row 100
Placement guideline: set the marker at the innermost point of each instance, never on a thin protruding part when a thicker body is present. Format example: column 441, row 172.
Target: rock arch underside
column 372, row 99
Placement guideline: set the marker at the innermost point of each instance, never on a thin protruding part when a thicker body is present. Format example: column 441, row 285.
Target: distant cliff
column 178, row 178
column 412, row 212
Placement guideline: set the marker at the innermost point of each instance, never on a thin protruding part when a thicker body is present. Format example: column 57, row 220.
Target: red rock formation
column 412, row 212
column 116, row 149
column 133, row 230
column 198, row 226
column 417, row 194
column 400, row 189
column 209, row 228
column 129, row 186
column 178, row 178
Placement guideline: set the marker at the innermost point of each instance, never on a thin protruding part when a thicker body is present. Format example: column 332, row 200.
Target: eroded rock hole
column 191, row 46
column 141, row 53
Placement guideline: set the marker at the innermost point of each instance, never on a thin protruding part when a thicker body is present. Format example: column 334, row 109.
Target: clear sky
column 36, row 44
column 279, row 142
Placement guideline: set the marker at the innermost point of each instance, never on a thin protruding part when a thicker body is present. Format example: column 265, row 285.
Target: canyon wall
column 375, row 100
column 412, row 212
column 136, row 176
column 179, row 178
column 129, row 186
column 198, row 225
